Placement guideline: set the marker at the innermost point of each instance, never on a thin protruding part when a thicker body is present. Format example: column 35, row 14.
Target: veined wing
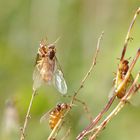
column 45, row 116
column 37, row 80
column 59, row 82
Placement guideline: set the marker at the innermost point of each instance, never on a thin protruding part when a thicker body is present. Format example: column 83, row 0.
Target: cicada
column 120, row 76
column 47, row 68
column 55, row 114
column 123, row 75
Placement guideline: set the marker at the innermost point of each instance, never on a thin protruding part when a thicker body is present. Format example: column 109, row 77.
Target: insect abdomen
column 54, row 118
column 122, row 92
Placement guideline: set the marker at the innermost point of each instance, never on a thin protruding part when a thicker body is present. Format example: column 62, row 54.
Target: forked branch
column 88, row 129
column 116, row 110
column 119, row 88
column 81, row 86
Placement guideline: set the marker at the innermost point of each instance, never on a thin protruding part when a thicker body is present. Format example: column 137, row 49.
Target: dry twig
column 22, row 137
column 90, row 69
column 81, row 86
column 88, row 129
column 117, row 109
column 55, row 129
column 121, row 85
column 127, row 38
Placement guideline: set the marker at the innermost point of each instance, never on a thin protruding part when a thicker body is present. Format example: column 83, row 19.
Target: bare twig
column 127, row 38
column 116, row 110
column 105, row 109
column 58, row 126
column 128, row 72
column 96, row 120
column 55, row 129
column 85, row 107
column 22, row 137
column 81, row 86
column 90, row 69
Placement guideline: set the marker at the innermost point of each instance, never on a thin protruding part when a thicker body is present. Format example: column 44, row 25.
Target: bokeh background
column 23, row 23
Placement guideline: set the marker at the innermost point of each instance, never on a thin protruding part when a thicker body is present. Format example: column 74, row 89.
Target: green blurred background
column 23, row 23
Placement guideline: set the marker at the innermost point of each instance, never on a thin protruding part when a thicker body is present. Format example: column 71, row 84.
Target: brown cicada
column 124, row 78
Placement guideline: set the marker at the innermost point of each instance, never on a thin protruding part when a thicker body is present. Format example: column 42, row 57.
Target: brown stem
column 81, row 86
column 55, row 129
column 99, row 116
column 91, row 68
column 128, row 72
column 127, row 38
column 96, row 120
column 116, row 110
column 22, row 137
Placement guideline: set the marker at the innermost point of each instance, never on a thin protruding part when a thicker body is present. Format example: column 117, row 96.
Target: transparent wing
column 37, row 80
column 45, row 116
column 59, row 82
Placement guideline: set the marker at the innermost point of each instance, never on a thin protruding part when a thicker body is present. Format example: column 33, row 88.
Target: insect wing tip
column 44, row 117
column 59, row 82
column 64, row 91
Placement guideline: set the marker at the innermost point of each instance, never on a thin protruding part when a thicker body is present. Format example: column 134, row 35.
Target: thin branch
column 22, row 137
column 127, row 38
column 96, row 120
column 128, row 72
column 99, row 116
column 91, row 68
column 59, row 128
column 105, row 109
column 117, row 109
column 81, row 86
column 55, row 128
column 86, row 109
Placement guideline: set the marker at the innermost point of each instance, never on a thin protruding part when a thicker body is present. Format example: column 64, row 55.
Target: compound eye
column 51, row 54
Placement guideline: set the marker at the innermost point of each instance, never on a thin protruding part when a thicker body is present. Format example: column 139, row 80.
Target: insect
column 123, row 67
column 47, row 68
column 122, row 82
column 55, row 114
column 121, row 73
